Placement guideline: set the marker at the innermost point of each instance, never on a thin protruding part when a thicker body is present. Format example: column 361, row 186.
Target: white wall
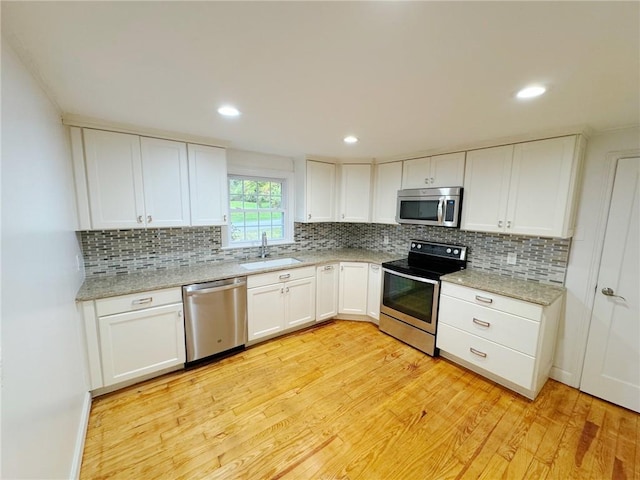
column 586, row 248
column 44, row 388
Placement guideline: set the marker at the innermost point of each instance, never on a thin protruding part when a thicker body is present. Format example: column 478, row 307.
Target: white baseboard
column 82, row 434
column 563, row 376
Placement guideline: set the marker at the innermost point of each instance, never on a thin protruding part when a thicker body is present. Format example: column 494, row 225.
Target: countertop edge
column 118, row 285
column 547, row 295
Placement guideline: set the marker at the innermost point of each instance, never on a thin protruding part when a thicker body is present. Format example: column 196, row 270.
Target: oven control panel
column 456, row 252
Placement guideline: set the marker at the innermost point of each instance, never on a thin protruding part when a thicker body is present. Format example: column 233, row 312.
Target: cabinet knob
column 500, row 223
column 224, row 218
column 426, row 181
column 509, row 224
column 309, row 217
column 343, row 216
column 139, row 218
column 328, row 267
column 149, row 219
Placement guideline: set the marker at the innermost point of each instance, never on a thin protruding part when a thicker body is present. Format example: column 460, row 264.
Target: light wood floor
column 345, row 401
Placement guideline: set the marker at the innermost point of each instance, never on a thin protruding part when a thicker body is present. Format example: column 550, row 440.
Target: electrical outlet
column 512, row 258
column 385, row 239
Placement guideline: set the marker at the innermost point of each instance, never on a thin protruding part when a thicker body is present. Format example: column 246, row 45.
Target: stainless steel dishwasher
column 215, row 317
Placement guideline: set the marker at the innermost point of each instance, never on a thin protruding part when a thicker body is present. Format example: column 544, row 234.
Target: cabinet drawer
column 515, row 332
column 501, row 361
column 137, row 301
column 493, row 301
column 269, row 278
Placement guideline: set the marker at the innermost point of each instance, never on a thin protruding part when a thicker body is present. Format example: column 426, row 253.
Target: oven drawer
column 504, row 362
column 493, row 301
column 514, row 332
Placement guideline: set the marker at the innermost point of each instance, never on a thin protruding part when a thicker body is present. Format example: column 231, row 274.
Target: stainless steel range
column 411, row 287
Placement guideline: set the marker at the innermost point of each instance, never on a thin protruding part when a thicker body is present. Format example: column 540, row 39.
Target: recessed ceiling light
column 228, row 111
column 350, row 139
column 531, row 91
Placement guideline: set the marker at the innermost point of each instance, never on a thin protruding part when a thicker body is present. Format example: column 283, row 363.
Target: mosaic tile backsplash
column 117, row 252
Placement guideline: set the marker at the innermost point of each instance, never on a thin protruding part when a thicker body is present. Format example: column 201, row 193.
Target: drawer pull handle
column 328, row 267
column 482, row 323
column 477, row 352
column 284, row 277
column 484, row 299
column 142, row 301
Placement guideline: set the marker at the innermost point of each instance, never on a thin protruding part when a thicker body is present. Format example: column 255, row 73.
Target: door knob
column 610, row 293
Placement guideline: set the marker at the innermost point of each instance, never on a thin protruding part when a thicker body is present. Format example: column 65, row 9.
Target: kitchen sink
column 276, row 262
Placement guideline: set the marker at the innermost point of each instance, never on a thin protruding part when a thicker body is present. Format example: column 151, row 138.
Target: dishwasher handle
column 217, row 286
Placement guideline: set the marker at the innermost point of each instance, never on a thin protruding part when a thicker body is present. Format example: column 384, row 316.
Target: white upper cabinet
column 165, row 176
column 543, row 177
column 114, row 178
column 437, row 171
column 132, row 181
column 526, row 189
column 486, row 189
column 208, row 186
column 385, row 191
column 315, row 192
column 355, row 193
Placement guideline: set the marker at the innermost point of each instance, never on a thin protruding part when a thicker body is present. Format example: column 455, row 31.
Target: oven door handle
column 411, row 277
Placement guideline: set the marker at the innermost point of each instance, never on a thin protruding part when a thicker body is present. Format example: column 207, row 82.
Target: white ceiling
column 402, row 76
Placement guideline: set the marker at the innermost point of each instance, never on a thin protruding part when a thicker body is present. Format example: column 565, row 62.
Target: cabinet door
column 141, row 342
column 354, row 277
column 114, row 177
column 321, row 187
column 265, row 310
column 327, row 281
column 300, row 298
column 165, row 176
column 447, row 170
column 540, row 187
column 355, row 198
column 486, row 189
column 374, row 291
column 416, row 173
column 385, row 192
column 208, row 187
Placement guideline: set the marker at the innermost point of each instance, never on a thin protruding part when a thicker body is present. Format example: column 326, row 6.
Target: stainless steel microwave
column 430, row 206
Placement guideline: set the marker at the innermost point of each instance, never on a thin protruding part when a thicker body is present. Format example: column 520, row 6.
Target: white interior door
column 612, row 362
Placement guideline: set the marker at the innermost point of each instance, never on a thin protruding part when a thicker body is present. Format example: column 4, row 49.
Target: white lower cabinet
column 141, row 342
column 374, row 291
column 507, row 340
column 277, row 301
column 134, row 336
column 354, row 279
column 327, row 289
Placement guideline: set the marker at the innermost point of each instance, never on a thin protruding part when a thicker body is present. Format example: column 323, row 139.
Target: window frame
column 287, row 207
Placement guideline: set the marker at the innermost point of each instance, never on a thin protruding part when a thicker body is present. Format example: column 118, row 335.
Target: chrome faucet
column 263, row 247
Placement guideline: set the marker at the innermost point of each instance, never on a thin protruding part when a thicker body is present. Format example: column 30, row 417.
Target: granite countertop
column 527, row 290
column 112, row 286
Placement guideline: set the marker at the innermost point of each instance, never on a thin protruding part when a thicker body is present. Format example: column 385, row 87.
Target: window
column 257, row 205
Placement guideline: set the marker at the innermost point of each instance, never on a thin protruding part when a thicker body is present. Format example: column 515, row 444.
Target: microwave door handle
column 440, row 208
